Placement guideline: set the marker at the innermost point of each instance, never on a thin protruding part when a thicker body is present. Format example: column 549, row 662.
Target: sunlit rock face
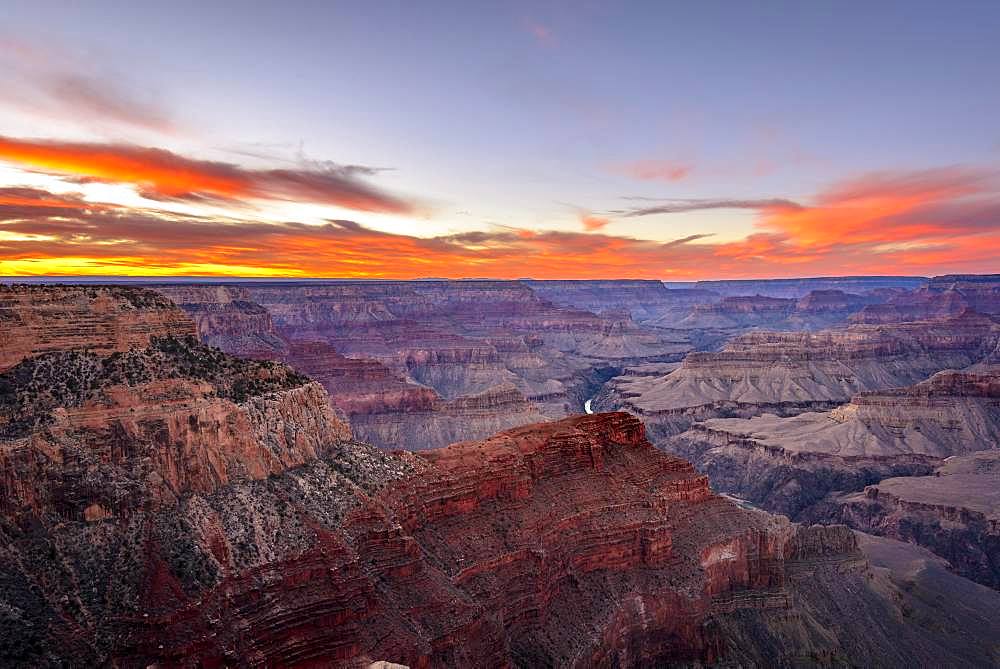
column 36, row 319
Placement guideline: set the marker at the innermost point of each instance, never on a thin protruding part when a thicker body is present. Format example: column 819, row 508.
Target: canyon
column 422, row 364
column 846, row 424
column 169, row 504
column 953, row 511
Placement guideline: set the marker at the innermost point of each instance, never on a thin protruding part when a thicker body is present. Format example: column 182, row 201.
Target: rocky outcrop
column 943, row 296
column 86, row 437
column 954, row 513
column 399, row 358
column 738, row 312
column 227, row 318
column 816, row 310
column 36, row 319
column 788, row 464
column 570, row 544
column 791, row 372
column 644, row 300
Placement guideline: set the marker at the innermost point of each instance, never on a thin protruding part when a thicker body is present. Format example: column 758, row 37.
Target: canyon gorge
column 347, row 473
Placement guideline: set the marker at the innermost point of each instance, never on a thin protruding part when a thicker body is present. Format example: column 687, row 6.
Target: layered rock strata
column 570, row 544
column 954, row 512
column 788, row 464
column 943, row 296
column 435, row 361
column 35, row 319
column 791, row 372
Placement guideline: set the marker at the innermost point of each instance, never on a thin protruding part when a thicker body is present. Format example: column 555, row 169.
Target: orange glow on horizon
column 902, row 223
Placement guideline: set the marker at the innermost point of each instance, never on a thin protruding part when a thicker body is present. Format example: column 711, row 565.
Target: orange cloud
column 904, row 223
column 893, row 207
column 592, row 223
column 655, row 170
column 542, row 34
column 162, row 174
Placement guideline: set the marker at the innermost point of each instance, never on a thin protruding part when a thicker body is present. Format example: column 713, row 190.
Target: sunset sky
column 676, row 141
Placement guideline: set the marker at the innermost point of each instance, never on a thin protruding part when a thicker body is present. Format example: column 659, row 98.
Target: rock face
column 421, row 364
column 228, row 319
column 790, row 372
column 645, row 301
column 816, row 310
column 171, row 505
column 103, row 319
column 798, row 288
column 788, row 464
column 943, row 296
column 573, row 543
column 86, row 437
column 954, row 512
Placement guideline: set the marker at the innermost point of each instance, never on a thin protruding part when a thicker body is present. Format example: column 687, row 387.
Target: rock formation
column 786, row 373
column 798, row 288
column 788, row 464
column 421, row 364
column 36, row 319
column 943, row 296
column 228, row 319
column 644, row 300
column 573, row 543
column 954, row 512
column 170, row 505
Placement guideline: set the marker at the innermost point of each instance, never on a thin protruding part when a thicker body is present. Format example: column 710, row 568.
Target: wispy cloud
column 52, row 83
column 902, row 223
column 161, row 174
column 668, row 171
column 591, row 222
column 542, row 33
column 681, row 206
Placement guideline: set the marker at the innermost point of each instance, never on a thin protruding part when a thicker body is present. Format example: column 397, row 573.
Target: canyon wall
column 171, row 505
column 954, row 512
column 943, row 296
column 786, row 373
column 788, row 464
column 36, row 319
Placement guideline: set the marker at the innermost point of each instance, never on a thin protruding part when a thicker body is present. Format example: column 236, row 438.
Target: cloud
column 685, row 205
column 161, row 174
column 57, row 84
column 542, row 34
column 591, row 222
column 668, row 171
column 899, row 223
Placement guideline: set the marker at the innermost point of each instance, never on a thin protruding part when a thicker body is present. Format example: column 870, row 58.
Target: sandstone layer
column 943, row 296
column 798, row 288
column 569, row 544
column 170, row 505
column 421, row 364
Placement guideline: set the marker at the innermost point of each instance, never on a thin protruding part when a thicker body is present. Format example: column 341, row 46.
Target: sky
column 674, row 141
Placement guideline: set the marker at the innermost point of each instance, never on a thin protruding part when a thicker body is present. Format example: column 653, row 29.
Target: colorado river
column 586, row 406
